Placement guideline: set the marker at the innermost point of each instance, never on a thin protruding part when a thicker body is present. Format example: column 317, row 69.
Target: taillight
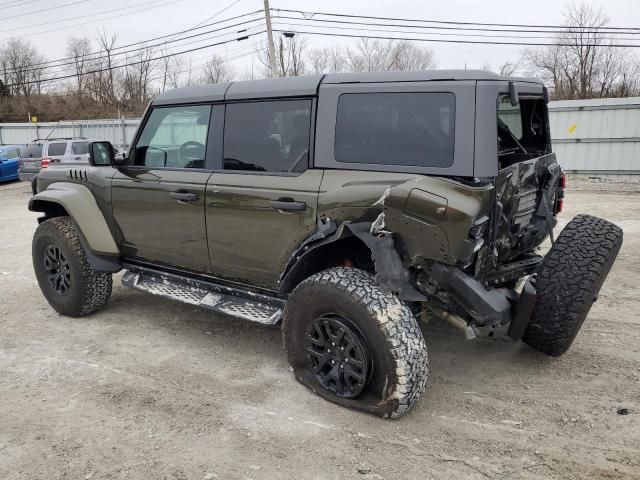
column 559, row 205
column 563, row 180
column 45, row 162
column 562, row 183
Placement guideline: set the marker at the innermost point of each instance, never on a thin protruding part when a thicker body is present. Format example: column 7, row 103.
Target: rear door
column 79, row 152
column 56, row 152
column 158, row 199
column 262, row 203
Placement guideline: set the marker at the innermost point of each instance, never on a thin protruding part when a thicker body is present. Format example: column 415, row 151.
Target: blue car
column 9, row 156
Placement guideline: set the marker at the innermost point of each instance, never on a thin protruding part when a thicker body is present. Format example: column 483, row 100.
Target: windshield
column 523, row 130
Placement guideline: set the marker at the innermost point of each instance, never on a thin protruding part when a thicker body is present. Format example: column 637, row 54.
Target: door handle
column 184, row 196
column 288, row 204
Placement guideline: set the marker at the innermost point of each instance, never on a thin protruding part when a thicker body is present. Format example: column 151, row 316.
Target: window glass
column 267, row 136
column 80, row 148
column 9, row 153
column 510, row 116
column 33, row 150
column 411, row 129
column 56, row 149
column 174, row 137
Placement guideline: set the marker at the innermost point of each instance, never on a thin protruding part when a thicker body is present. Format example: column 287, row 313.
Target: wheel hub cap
column 57, row 269
column 338, row 355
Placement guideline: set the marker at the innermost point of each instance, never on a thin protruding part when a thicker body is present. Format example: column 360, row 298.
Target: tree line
column 101, row 81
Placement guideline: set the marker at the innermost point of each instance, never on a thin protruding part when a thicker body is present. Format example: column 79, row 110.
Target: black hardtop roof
column 308, row 85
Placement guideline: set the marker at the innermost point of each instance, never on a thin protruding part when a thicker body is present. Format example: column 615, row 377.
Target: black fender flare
column 391, row 274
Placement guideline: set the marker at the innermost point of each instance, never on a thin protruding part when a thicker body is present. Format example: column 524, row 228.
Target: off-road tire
column 89, row 290
column 400, row 368
column 569, row 280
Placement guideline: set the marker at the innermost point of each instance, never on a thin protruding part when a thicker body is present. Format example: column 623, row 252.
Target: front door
column 263, row 203
column 159, row 197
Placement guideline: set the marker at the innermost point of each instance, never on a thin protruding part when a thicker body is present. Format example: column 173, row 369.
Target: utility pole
column 272, row 48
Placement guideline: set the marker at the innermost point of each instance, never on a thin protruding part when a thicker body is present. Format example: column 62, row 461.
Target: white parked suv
column 41, row 154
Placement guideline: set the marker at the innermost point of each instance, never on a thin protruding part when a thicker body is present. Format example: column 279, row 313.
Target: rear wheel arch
column 346, row 250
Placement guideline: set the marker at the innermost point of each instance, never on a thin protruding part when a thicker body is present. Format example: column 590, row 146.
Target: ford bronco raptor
column 342, row 207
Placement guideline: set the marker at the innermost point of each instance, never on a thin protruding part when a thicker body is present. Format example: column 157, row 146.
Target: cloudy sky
column 138, row 20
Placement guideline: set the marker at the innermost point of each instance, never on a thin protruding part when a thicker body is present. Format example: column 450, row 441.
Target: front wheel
column 354, row 344
column 63, row 271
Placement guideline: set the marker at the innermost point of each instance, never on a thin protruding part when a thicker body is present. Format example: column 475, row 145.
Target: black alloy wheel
column 57, row 269
column 338, row 354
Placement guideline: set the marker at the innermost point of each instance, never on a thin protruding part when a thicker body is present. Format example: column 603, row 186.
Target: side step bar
column 203, row 294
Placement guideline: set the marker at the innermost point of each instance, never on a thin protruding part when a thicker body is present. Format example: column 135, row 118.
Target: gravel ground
column 148, row 388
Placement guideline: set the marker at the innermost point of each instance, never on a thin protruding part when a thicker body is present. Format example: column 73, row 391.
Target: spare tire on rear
column 569, row 280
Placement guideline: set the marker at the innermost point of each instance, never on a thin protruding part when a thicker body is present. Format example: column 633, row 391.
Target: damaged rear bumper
column 491, row 311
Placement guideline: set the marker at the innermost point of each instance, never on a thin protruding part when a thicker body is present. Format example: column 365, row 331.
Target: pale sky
column 173, row 15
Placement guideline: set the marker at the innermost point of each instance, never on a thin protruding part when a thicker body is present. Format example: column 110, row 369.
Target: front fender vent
column 78, row 174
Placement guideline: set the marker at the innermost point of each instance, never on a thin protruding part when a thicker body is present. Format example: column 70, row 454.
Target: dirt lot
column 148, row 388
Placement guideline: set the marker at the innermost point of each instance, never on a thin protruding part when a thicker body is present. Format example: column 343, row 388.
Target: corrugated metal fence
column 600, row 136
column 597, row 136
column 120, row 132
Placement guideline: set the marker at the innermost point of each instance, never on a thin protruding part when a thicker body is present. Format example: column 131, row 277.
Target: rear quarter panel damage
column 430, row 217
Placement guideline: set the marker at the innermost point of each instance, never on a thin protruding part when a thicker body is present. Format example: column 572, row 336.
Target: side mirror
column 513, row 94
column 101, row 154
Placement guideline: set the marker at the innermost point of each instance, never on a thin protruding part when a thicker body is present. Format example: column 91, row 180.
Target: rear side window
column 270, row 136
column 33, row 150
column 56, row 149
column 409, row 129
column 80, row 148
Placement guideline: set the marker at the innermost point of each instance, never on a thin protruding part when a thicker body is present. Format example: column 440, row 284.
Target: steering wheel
column 184, row 157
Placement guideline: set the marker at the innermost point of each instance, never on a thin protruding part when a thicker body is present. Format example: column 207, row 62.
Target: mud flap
column 524, row 309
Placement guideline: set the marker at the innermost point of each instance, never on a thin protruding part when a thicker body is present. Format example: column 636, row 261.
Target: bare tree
column 326, row 60
column 136, row 78
column 108, row 43
column 290, row 53
column 376, row 55
column 583, row 63
column 79, row 50
column 217, row 70
column 172, row 68
column 22, row 68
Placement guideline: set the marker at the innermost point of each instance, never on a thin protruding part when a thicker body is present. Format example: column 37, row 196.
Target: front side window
column 270, row 136
column 56, row 149
column 174, row 137
column 9, row 153
column 408, row 129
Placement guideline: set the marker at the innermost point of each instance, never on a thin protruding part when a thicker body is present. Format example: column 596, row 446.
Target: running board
column 175, row 288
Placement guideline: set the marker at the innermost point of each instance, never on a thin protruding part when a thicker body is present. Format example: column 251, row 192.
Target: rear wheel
column 569, row 280
column 63, row 271
column 354, row 344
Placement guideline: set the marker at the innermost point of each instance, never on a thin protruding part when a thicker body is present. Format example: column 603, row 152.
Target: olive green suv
column 341, row 207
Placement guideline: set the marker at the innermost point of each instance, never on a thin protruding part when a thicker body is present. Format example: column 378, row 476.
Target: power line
column 440, row 40
column 144, row 43
column 129, row 64
column 431, row 27
column 44, row 10
column 375, row 27
column 85, row 16
column 17, row 3
column 449, row 22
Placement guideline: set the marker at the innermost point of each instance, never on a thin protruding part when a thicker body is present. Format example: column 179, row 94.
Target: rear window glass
column 410, row 129
column 33, row 150
column 57, row 149
column 80, row 148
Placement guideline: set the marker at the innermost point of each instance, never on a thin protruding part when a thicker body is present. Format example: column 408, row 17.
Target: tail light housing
column 559, row 203
column 45, row 162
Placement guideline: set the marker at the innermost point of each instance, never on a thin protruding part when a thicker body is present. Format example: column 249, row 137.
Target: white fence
column 600, row 136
